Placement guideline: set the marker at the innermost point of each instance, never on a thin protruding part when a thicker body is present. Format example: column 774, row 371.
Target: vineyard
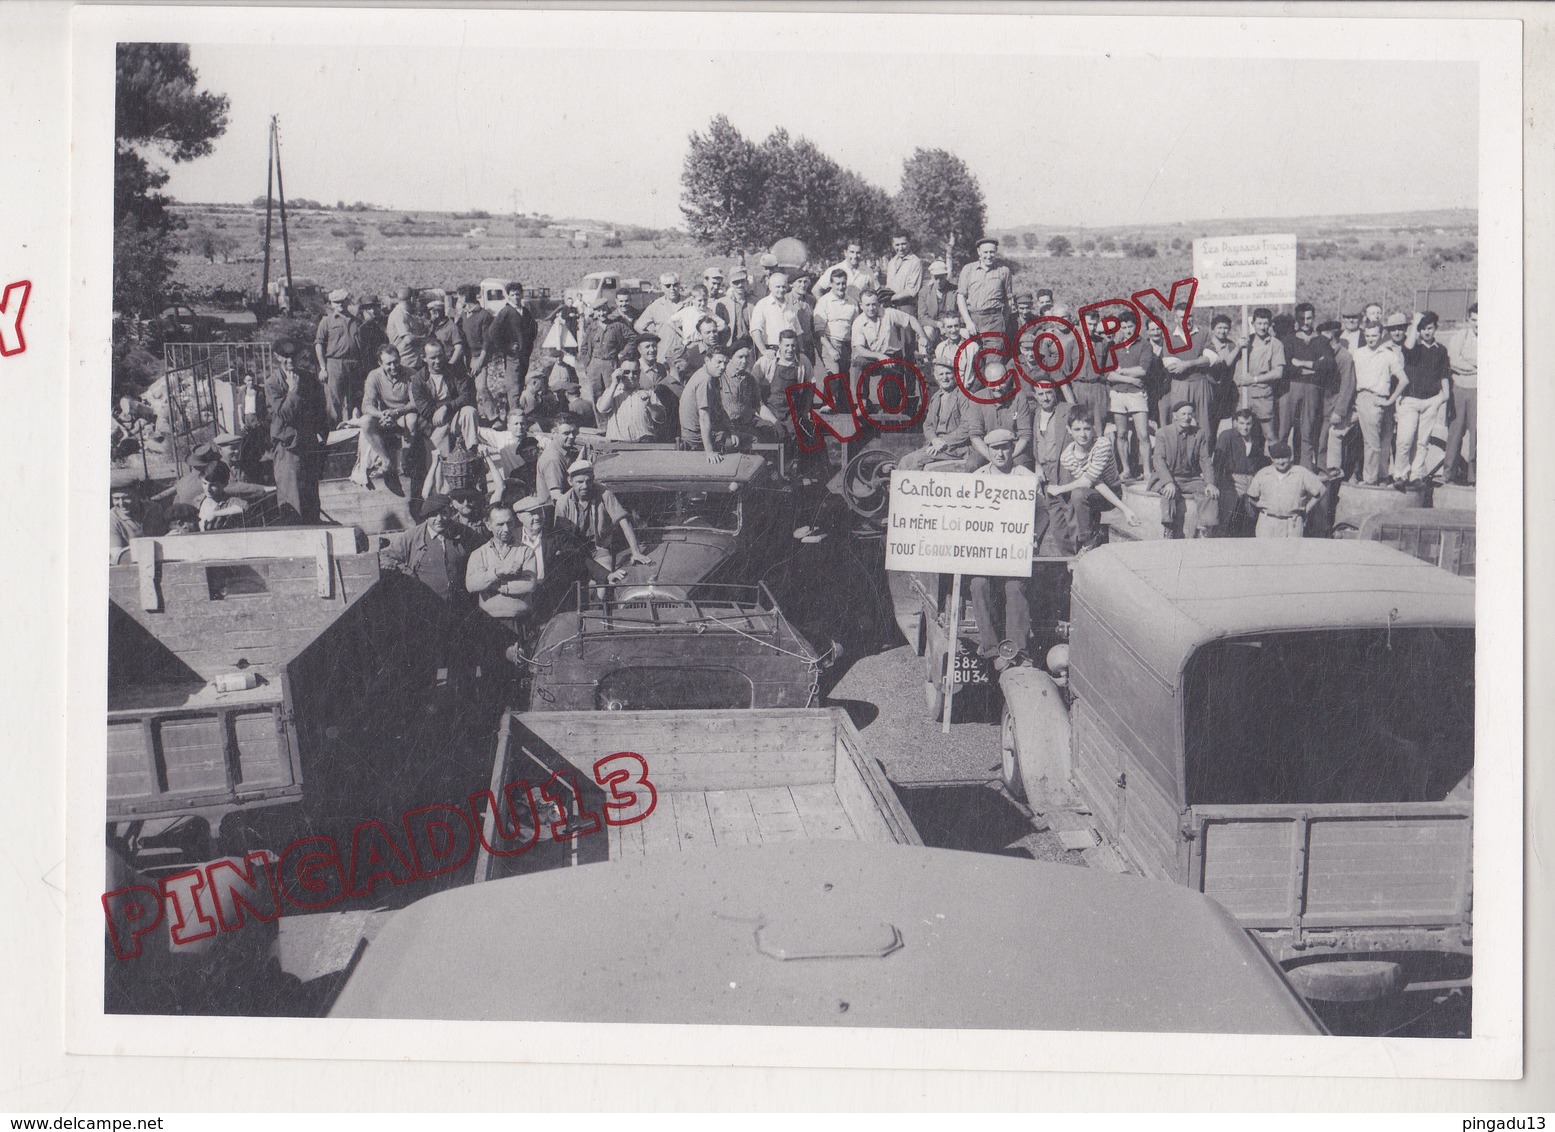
column 433, row 250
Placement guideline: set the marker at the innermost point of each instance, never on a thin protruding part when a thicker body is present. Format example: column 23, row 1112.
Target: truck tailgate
column 1405, row 865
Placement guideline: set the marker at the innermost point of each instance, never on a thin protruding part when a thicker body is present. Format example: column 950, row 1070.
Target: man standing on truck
column 1285, row 494
column 1463, row 350
column 337, row 347
column 1011, row 646
column 1377, row 367
column 1260, row 369
column 985, row 294
column 704, row 426
column 510, row 340
column 1184, row 470
column 1239, row 455
column 833, row 317
column 1094, row 486
column 504, row 573
column 590, row 524
column 299, row 428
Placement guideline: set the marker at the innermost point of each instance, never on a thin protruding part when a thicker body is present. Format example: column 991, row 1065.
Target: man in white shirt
column 834, row 314
column 903, row 275
column 879, row 333
column 860, row 275
column 771, row 316
column 1379, row 382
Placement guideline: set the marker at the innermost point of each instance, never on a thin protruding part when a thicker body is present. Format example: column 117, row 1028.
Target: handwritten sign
column 960, row 523
column 1245, row 270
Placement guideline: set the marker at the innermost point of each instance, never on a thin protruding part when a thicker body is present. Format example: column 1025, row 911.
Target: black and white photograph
column 803, row 528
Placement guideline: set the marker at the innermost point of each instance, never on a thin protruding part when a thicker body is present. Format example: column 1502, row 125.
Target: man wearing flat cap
column 337, row 345
column 985, row 293
column 590, row 525
column 299, row 427
column 735, row 307
column 936, row 299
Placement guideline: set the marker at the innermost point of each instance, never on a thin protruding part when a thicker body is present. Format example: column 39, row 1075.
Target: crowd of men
column 1236, row 435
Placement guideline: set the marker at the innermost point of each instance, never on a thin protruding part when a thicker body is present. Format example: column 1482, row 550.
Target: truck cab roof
column 1166, row 598
column 677, row 470
column 829, row 933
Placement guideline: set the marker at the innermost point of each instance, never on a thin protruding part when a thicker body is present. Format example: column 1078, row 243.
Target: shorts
column 1128, row 400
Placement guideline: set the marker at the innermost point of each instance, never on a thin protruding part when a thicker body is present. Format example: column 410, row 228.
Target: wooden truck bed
column 721, row 778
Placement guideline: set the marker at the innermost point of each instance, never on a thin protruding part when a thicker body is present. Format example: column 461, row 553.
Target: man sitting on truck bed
column 1094, row 485
column 1184, row 469
column 1003, row 650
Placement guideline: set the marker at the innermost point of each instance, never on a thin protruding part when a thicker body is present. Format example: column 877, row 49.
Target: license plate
column 970, row 668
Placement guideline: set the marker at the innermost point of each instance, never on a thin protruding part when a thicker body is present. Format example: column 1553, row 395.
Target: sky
column 602, row 133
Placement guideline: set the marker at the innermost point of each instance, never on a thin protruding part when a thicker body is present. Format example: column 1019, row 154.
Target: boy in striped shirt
column 1092, row 483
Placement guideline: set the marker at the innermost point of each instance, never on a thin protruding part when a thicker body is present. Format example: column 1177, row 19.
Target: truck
column 698, row 778
column 247, row 668
column 1286, row 726
column 807, row 932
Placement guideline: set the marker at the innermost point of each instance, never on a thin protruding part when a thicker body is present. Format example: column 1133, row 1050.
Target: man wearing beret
column 1184, row 469
column 985, row 294
column 1285, row 494
column 299, row 428
column 735, row 307
column 337, row 345
column 936, row 299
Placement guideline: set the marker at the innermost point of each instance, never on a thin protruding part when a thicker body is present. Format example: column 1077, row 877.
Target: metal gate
column 201, row 381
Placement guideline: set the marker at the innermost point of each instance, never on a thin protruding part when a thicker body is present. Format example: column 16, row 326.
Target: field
column 434, row 250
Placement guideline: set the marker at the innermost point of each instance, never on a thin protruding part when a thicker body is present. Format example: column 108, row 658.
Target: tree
column 1008, row 240
column 865, row 213
column 721, row 187
column 354, row 245
column 1176, row 243
column 1059, row 246
column 1029, row 241
column 940, row 203
column 158, row 109
column 1108, row 244
column 1087, row 245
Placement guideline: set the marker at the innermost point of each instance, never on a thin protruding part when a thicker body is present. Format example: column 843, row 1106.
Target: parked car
column 716, row 647
column 700, row 522
column 605, row 285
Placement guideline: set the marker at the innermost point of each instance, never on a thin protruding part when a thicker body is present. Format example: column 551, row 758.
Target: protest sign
column 960, row 523
column 1245, row 270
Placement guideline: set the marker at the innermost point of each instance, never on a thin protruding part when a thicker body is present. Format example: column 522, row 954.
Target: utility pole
column 264, row 277
column 280, row 192
column 275, row 192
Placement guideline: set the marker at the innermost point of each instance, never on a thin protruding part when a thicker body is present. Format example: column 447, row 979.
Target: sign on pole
column 1245, row 270
column 960, row 523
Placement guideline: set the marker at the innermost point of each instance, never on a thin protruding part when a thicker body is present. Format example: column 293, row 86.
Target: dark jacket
column 460, row 392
